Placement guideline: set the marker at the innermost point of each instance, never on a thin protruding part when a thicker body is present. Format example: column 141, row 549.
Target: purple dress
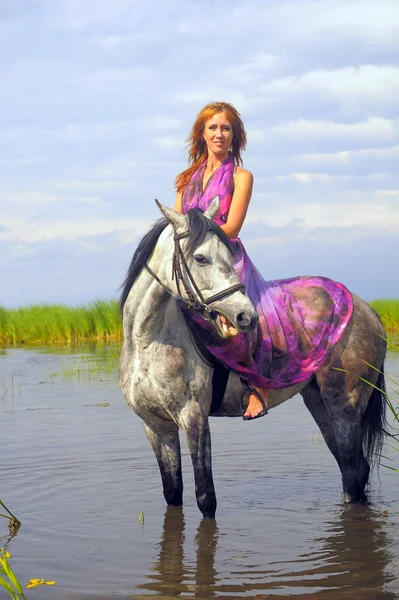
column 300, row 319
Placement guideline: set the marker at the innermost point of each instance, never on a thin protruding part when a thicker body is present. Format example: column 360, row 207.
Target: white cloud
column 37, row 198
column 99, row 186
column 380, row 129
column 319, row 178
column 254, row 70
column 339, row 158
column 103, row 131
column 311, row 177
column 392, row 193
column 366, row 86
column 368, row 217
column 110, row 81
column 359, row 19
column 125, row 230
column 98, row 98
column 158, row 122
column 212, row 91
column 168, row 142
column 79, row 133
column 302, row 133
column 109, row 42
column 73, row 14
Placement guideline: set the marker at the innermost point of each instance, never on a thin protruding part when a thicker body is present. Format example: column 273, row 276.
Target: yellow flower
column 8, row 555
column 34, row 582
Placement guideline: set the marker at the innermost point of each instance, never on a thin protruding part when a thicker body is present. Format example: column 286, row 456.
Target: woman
column 301, row 318
column 215, row 144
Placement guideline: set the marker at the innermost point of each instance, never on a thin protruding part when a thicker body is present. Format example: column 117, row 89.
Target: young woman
column 300, row 318
column 215, row 144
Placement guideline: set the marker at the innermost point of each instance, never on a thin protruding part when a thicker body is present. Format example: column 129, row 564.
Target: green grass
column 90, row 366
column 388, row 309
column 8, row 579
column 101, row 320
column 51, row 323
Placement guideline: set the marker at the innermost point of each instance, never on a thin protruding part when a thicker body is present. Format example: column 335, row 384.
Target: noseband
column 199, row 303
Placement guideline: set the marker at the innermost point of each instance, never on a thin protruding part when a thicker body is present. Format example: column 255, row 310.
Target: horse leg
column 195, row 424
column 313, row 402
column 354, row 467
column 166, row 445
column 345, row 400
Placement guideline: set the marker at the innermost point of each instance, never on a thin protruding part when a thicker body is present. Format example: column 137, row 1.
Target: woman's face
column 218, row 134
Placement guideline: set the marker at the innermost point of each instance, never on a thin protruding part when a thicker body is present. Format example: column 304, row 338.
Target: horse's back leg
column 340, row 425
column 313, row 402
column 345, row 399
column 164, row 439
column 355, row 408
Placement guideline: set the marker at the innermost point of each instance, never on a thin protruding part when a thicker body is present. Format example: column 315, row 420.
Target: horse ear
column 175, row 218
column 213, row 208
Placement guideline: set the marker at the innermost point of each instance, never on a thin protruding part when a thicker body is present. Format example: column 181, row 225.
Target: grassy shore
column 388, row 309
column 50, row 323
column 100, row 320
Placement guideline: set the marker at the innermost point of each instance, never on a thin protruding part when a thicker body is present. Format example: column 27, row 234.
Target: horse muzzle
column 228, row 326
column 247, row 322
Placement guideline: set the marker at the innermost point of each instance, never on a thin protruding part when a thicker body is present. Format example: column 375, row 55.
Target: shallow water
column 77, row 470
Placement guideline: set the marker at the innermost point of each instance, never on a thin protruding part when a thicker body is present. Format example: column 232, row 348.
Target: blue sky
column 98, row 96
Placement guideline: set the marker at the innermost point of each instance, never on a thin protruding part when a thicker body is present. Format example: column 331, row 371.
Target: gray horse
column 187, row 259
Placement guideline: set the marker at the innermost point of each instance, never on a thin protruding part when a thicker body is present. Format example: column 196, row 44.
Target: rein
column 199, row 303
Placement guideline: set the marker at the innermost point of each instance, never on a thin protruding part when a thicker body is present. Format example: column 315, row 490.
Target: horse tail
column 374, row 423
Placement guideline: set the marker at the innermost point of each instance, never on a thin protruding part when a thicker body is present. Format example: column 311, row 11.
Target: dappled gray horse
column 168, row 383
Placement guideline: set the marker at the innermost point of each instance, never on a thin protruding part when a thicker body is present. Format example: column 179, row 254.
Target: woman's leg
column 255, row 407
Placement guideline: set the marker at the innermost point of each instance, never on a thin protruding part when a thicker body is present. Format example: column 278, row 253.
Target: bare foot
column 255, row 407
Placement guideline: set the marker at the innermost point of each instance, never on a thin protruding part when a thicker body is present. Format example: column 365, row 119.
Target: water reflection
column 168, row 570
column 351, row 560
column 206, row 543
column 170, row 574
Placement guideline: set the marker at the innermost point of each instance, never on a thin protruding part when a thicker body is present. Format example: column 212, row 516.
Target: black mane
column 198, row 226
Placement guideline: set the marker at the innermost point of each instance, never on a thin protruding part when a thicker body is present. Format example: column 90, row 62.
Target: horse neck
column 148, row 301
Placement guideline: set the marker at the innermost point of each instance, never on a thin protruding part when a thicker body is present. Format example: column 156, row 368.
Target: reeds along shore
column 101, row 320
column 52, row 323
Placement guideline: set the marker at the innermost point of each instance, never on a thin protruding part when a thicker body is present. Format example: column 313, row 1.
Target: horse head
column 204, row 272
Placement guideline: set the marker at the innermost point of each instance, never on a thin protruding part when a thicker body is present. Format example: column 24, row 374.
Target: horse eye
column 200, row 259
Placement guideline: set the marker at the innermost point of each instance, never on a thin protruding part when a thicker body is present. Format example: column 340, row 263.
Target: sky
column 97, row 98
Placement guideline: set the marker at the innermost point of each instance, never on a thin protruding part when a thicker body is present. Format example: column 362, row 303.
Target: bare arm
column 178, row 204
column 239, row 203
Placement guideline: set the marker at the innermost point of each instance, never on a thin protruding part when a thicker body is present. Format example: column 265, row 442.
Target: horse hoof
column 350, row 499
column 209, row 515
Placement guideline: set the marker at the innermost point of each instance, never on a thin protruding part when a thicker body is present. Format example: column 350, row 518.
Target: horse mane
column 198, row 227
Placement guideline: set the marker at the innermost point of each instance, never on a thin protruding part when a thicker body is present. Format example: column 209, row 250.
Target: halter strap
column 179, row 264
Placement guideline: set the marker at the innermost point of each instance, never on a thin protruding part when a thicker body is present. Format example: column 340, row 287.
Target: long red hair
column 197, row 149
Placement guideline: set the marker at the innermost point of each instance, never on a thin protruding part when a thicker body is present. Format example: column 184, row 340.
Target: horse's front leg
column 164, row 439
column 196, row 427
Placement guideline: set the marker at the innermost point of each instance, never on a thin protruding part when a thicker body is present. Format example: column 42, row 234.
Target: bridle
column 195, row 300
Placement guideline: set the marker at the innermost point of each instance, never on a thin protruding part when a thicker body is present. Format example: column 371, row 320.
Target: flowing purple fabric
column 300, row 319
